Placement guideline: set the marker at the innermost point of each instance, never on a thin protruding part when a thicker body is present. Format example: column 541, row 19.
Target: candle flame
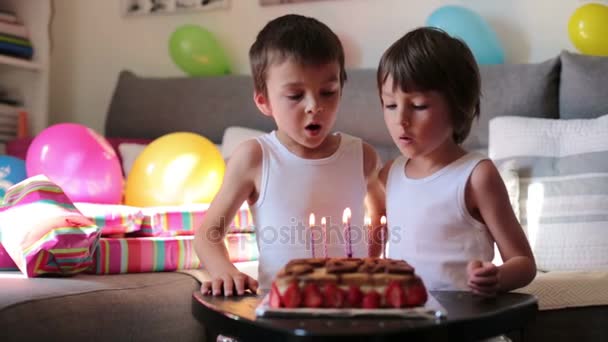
column 367, row 221
column 346, row 215
column 311, row 220
column 323, row 221
column 383, row 220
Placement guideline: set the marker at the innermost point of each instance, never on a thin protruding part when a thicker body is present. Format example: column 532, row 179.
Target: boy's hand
column 227, row 283
column 482, row 278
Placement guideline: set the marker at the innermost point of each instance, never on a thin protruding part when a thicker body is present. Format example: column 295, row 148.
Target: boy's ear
column 262, row 102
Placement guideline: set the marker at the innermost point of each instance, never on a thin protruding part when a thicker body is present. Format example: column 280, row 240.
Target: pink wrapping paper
column 156, row 254
column 6, row 262
column 183, row 220
column 242, row 247
column 112, row 218
column 43, row 232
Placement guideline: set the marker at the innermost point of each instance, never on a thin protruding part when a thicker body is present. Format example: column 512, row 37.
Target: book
column 19, row 51
column 8, row 17
column 14, row 29
column 9, row 109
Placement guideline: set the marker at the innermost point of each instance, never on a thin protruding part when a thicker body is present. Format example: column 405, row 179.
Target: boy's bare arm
column 489, row 195
column 239, row 185
column 375, row 199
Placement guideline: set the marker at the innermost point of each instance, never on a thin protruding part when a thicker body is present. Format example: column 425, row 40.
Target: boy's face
column 419, row 122
column 303, row 100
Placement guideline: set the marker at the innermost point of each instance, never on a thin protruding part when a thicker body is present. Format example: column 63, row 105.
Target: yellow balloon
column 588, row 29
column 177, row 168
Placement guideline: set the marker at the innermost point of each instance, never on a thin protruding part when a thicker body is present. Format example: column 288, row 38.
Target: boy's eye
column 294, row 97
column 390, row 106
column 328, row 93
column 419, row 106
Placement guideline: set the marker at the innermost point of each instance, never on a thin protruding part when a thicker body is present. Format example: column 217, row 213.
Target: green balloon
column 195, row 51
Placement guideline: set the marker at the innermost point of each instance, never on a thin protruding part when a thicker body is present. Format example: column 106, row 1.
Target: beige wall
column 92, row 42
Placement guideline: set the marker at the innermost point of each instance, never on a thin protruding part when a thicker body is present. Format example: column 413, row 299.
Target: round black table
column 469, row 318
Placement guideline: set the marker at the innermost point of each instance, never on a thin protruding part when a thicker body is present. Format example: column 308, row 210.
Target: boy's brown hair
column 306, row 40
column 428, row 59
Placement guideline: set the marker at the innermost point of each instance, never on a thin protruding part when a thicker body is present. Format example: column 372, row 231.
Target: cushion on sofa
column 568, row 289
column 234, row 136
column 134, row 307
column 149, row 107
column 583, row 90
column 529, row 90
column 563, row 196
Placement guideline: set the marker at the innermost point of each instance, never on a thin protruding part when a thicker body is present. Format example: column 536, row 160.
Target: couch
column 157, row 306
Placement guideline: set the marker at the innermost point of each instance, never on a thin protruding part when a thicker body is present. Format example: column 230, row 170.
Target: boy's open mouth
column 313, row 127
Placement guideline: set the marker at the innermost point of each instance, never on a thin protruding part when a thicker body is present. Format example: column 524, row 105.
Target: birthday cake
column 368, row 283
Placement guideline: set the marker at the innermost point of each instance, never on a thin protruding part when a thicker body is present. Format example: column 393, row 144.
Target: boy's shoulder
column 371, row 160
column 247, row 154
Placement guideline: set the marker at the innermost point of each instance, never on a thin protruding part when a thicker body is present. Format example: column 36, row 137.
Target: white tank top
column 291, row 188
column 430, row 226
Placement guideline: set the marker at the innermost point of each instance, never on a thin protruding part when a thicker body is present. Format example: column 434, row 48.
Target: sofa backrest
column 146, row 107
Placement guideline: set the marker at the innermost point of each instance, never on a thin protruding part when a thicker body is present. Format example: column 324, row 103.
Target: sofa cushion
column 583, row 90
column 516, row 90
column 559, row 290
column 133, row 307
column 234, row 136
column 563, row 196
column 149, row 107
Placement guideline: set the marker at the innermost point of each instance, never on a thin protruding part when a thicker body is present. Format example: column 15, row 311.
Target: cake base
column 336, row 283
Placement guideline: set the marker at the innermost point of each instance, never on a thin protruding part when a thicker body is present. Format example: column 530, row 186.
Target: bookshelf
column 19, row 63
column 29, row 79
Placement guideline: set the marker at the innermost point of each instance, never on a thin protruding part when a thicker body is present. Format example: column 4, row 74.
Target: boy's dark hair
column 428, row 59
column 306, row 40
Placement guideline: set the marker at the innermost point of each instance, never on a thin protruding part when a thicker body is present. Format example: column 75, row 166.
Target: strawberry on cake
column 367, row 283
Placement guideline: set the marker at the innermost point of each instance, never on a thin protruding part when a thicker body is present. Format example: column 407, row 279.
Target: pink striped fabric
column 158, row 254
column 183, row 220
column 113, row 219
column 43, row 232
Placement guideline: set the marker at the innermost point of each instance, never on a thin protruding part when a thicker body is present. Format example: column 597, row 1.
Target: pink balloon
column 79, row 160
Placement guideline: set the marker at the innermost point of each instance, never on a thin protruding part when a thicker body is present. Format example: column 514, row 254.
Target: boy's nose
column 404, row 119
column 313, row 107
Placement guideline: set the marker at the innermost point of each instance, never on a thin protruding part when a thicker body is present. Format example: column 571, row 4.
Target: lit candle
column 367, row 229
column 383, row 234
column 346, row 221
column 311, row 224
column 324, row 228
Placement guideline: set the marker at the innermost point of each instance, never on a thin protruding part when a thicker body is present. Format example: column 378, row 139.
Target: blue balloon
column 12, row 171
column 465, row 24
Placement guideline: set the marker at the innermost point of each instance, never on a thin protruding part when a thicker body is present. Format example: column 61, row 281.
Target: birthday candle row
column 346, row 216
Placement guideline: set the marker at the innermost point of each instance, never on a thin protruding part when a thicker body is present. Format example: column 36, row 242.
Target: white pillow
column 234, row 136
column 562, row 166
column 129, row 153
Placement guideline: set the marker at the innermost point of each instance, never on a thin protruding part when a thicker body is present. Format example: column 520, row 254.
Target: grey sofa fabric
column 128, row 307
column 150, row 107
column 145, row 107
column 583, row 90
column 518, row 90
